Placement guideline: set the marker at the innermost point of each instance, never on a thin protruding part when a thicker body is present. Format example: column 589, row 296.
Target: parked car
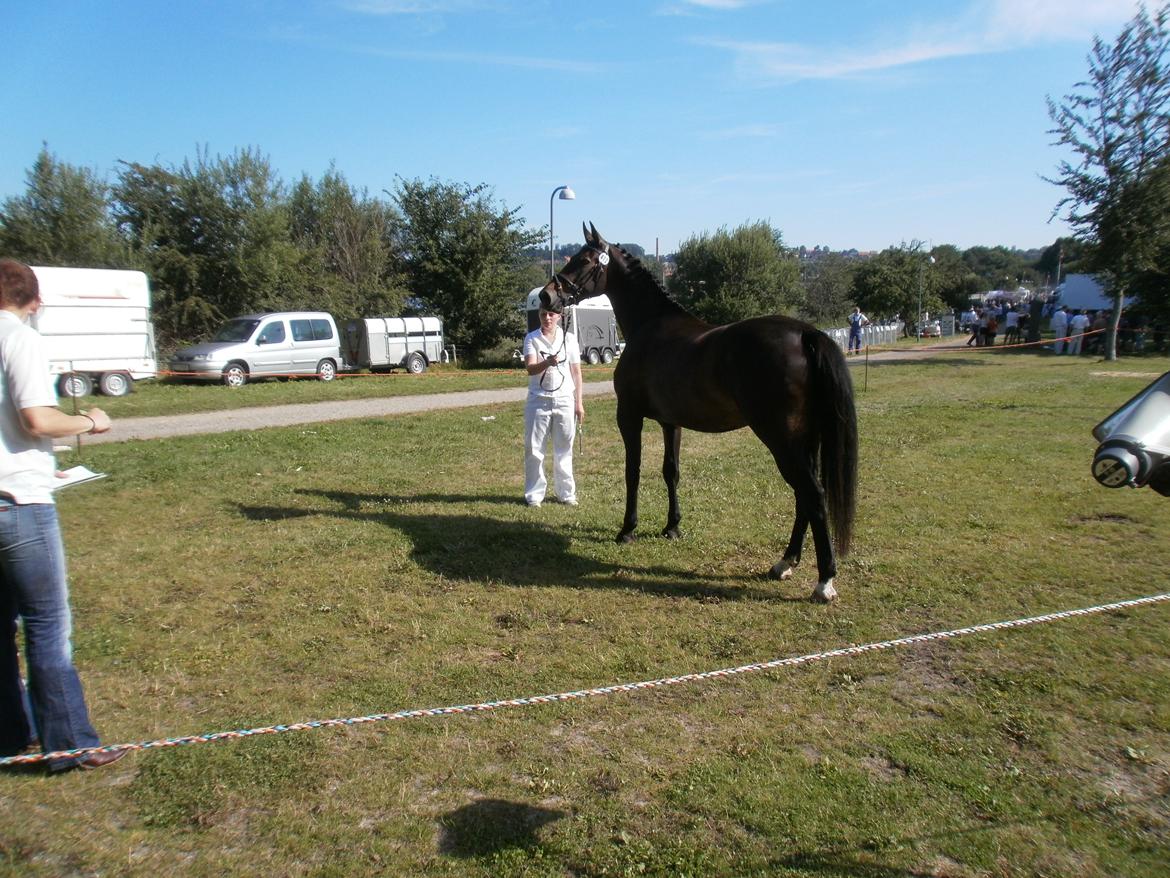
column 293, row 343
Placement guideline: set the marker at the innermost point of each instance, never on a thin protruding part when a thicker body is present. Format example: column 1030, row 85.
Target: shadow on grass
column 491, row 825
column 519, row 553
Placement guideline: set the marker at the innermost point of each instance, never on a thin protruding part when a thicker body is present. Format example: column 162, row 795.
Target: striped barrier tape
column 481, row 707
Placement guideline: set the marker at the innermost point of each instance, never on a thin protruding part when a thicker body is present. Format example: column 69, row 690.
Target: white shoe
column 572, row 501
column 535, row 504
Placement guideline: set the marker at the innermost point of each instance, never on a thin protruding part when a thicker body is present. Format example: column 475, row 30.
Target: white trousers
column 1074, row 344
column 545, row 415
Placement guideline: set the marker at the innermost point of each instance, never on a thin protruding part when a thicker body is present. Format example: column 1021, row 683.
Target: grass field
column 369, row 566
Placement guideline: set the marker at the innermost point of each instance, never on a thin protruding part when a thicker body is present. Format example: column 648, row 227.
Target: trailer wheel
column 592, row 357
column 115, row 383
column 607, row 356
column 416, row 363
column 326, row 370
column 75, row 384
column 235, row 375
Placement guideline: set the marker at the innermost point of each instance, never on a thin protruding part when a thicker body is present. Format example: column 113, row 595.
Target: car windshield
column 236, row 330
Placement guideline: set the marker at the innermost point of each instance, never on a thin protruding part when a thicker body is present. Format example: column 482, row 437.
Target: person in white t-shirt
column 554, row 406
column 33, row 584
column 1076, row 329
column 1059, row 325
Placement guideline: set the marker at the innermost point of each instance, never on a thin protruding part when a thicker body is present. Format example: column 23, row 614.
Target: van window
column 302, row 330
column 236, row 330
column 273, row 333
column 322, row 330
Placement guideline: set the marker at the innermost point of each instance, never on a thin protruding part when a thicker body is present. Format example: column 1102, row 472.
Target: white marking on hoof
column 824, row 592
column 782, row 569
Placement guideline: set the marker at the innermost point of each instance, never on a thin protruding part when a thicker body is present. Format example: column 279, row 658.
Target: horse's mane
column 639, row 273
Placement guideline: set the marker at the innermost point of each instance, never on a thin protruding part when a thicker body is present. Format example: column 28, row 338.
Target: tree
column 216, row 239
column 827, row 279
column 1117, row 125
column 728, row 276
column 63, row 219
column 464, row 259
column 350, row 245
column 897, row 282
column 953, row 279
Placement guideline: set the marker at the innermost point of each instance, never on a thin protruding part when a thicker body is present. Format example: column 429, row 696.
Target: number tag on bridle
column 603, row 258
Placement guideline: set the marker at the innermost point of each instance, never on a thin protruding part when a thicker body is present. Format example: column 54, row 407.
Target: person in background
column 1076, row 328
column 1059, row 326
column 553, row 361
column 33, row 585
column 857, row 320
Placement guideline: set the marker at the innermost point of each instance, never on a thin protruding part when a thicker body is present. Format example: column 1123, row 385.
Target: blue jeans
column 33, row 588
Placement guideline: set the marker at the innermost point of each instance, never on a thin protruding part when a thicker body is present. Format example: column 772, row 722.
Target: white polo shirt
column 556, row 381
column 27, row 468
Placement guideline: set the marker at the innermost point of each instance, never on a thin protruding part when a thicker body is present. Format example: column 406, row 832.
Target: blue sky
column 849, row 124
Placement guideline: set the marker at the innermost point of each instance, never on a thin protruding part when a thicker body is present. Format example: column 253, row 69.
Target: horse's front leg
column 630, row 427
column 671, row 445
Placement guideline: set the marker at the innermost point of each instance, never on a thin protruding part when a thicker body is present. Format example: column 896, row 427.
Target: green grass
column 357, row 567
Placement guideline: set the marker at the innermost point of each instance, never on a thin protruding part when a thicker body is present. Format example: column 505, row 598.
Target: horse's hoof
column 825, row 593
column 782, row 569
column 626, row 536
column 672, row 533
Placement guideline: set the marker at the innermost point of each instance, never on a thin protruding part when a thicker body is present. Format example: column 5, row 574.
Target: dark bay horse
column 785, row 379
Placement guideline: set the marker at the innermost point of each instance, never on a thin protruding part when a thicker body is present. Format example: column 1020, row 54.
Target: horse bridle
column 595, row 273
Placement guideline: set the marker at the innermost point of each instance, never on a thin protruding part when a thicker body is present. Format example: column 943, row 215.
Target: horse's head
column 585, row 274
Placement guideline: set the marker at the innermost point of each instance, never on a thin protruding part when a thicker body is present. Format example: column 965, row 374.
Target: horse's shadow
column 519, row 553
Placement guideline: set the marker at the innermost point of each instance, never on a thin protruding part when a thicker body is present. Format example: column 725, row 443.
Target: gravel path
column 258, row 418
column 313, row 412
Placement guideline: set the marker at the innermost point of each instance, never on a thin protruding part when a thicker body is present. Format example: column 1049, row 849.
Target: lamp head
column 567, row 194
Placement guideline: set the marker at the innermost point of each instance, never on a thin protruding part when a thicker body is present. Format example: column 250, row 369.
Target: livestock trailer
column 97, row 330
column 591, row 320
column 384, row 343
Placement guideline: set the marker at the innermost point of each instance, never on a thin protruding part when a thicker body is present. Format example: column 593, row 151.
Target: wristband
column 92, row 423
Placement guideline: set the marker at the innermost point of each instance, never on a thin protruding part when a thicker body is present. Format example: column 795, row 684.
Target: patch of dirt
column 882, row 768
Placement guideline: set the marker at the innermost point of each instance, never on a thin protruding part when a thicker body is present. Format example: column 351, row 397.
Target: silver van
column 265, row 346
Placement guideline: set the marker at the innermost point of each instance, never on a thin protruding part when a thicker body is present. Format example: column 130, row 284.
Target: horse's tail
column 837, row 420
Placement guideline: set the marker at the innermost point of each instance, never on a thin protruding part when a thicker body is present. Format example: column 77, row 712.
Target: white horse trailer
column 384, row 343
column 97, row 330
column 591, row 320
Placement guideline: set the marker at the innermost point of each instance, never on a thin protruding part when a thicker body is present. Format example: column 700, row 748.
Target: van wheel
column 75, row 384
column 607, row 356
column 326, row 370
column 416, row 363
column 592, row 357
column 235, row 375
column 115, row 383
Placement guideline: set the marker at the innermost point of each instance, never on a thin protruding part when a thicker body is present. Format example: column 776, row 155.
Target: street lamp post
column 566, row 194
column 921, row 284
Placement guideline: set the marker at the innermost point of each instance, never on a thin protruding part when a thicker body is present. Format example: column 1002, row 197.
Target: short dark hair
column 18, row 284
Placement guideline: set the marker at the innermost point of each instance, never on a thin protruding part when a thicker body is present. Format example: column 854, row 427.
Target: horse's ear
column 598, row 241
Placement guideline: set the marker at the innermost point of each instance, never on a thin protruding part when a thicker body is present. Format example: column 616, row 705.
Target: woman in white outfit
column 553, row 360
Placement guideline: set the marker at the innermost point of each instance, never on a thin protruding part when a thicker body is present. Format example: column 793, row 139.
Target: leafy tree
column 464, row 259
column 895, row 282
column 998, row 268
column 1117, row 125
column 728, row 276
column 827, row 279
column 953, row 279
column 350, row 247
column 63, row 219
column 215, row 235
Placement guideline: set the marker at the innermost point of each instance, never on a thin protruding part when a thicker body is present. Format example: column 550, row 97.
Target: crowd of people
column 1075, row 332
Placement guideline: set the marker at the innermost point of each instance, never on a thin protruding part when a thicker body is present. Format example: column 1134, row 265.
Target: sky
column 863, row 124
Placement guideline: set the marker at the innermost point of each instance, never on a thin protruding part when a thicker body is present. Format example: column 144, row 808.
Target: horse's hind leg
column 783, row 568
column 630, row 426
column 798, row 470
column 672, row 443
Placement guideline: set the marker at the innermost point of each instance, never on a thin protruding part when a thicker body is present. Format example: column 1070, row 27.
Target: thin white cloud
column 412, row 7
column 696, row 7
column 985, row 27
column 740, row 132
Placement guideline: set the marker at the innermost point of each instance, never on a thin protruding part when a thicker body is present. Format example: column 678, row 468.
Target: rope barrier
column 942, row 349
column 481, row 707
